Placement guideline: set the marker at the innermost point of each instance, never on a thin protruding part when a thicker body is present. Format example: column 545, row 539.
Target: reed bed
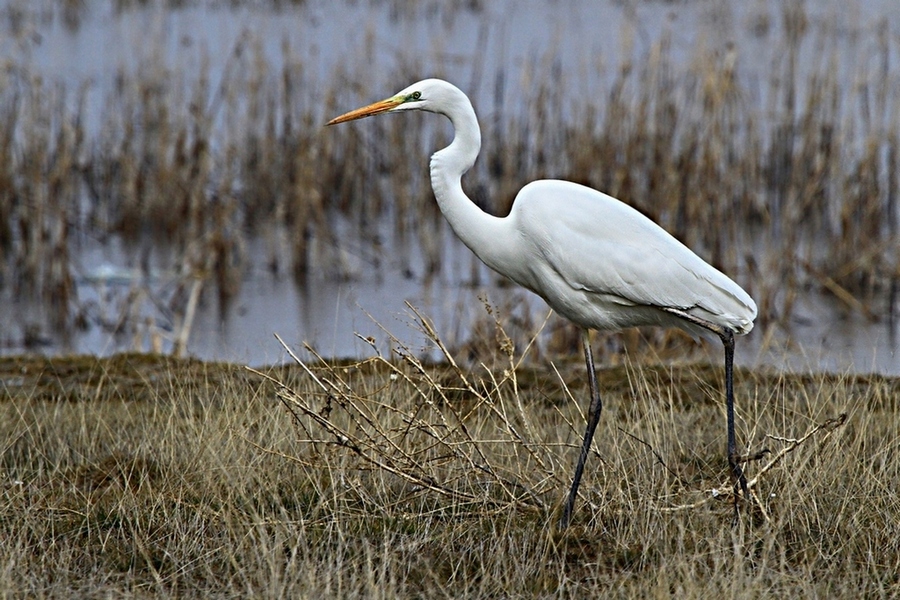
column 149, row 476
column 788, row 184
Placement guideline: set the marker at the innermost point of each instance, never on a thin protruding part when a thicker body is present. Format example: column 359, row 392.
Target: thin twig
column 344, row 440
column 830, row 425
column 656, row 454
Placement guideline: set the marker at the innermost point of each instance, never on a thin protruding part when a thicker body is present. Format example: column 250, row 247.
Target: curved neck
column 478, row 230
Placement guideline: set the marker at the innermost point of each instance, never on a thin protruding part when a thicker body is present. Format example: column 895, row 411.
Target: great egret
column 595, row 260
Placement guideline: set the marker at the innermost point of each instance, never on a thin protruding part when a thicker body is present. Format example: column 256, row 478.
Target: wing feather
column 603, row 248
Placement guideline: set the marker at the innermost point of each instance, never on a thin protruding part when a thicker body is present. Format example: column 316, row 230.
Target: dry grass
column 144, row 476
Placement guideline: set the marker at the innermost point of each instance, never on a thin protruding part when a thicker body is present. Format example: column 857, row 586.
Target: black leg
column 737, row 473
column 727, row 337
column 593, row 418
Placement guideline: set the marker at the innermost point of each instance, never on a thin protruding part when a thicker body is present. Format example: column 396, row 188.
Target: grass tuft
column 393, row 476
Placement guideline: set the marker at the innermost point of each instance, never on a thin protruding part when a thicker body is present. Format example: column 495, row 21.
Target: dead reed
column 794, row 183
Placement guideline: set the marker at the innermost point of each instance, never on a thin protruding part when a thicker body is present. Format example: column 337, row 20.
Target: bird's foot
column 740, row 480
column 737, row 471
column 740, row 484
column 758, row 455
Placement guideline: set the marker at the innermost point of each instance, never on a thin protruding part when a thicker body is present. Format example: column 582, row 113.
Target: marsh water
column 491, row 50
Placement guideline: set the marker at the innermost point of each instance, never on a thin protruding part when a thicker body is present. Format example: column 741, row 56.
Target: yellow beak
column 366, row 111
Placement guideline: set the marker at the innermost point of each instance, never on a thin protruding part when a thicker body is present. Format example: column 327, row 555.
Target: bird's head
column 429, row 94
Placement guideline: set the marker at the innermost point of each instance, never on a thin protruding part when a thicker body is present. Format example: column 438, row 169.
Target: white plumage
column 595, row 260
column 604, row 265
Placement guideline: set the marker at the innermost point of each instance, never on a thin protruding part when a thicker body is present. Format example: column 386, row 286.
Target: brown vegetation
column 796, row 194
column 147, row 476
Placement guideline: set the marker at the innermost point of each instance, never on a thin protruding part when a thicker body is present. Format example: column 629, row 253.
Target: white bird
column 593, row 259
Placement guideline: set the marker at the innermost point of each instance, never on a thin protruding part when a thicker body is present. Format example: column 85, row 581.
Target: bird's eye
column 415, row 95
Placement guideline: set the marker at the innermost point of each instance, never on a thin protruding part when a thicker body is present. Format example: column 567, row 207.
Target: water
column 584, row 40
